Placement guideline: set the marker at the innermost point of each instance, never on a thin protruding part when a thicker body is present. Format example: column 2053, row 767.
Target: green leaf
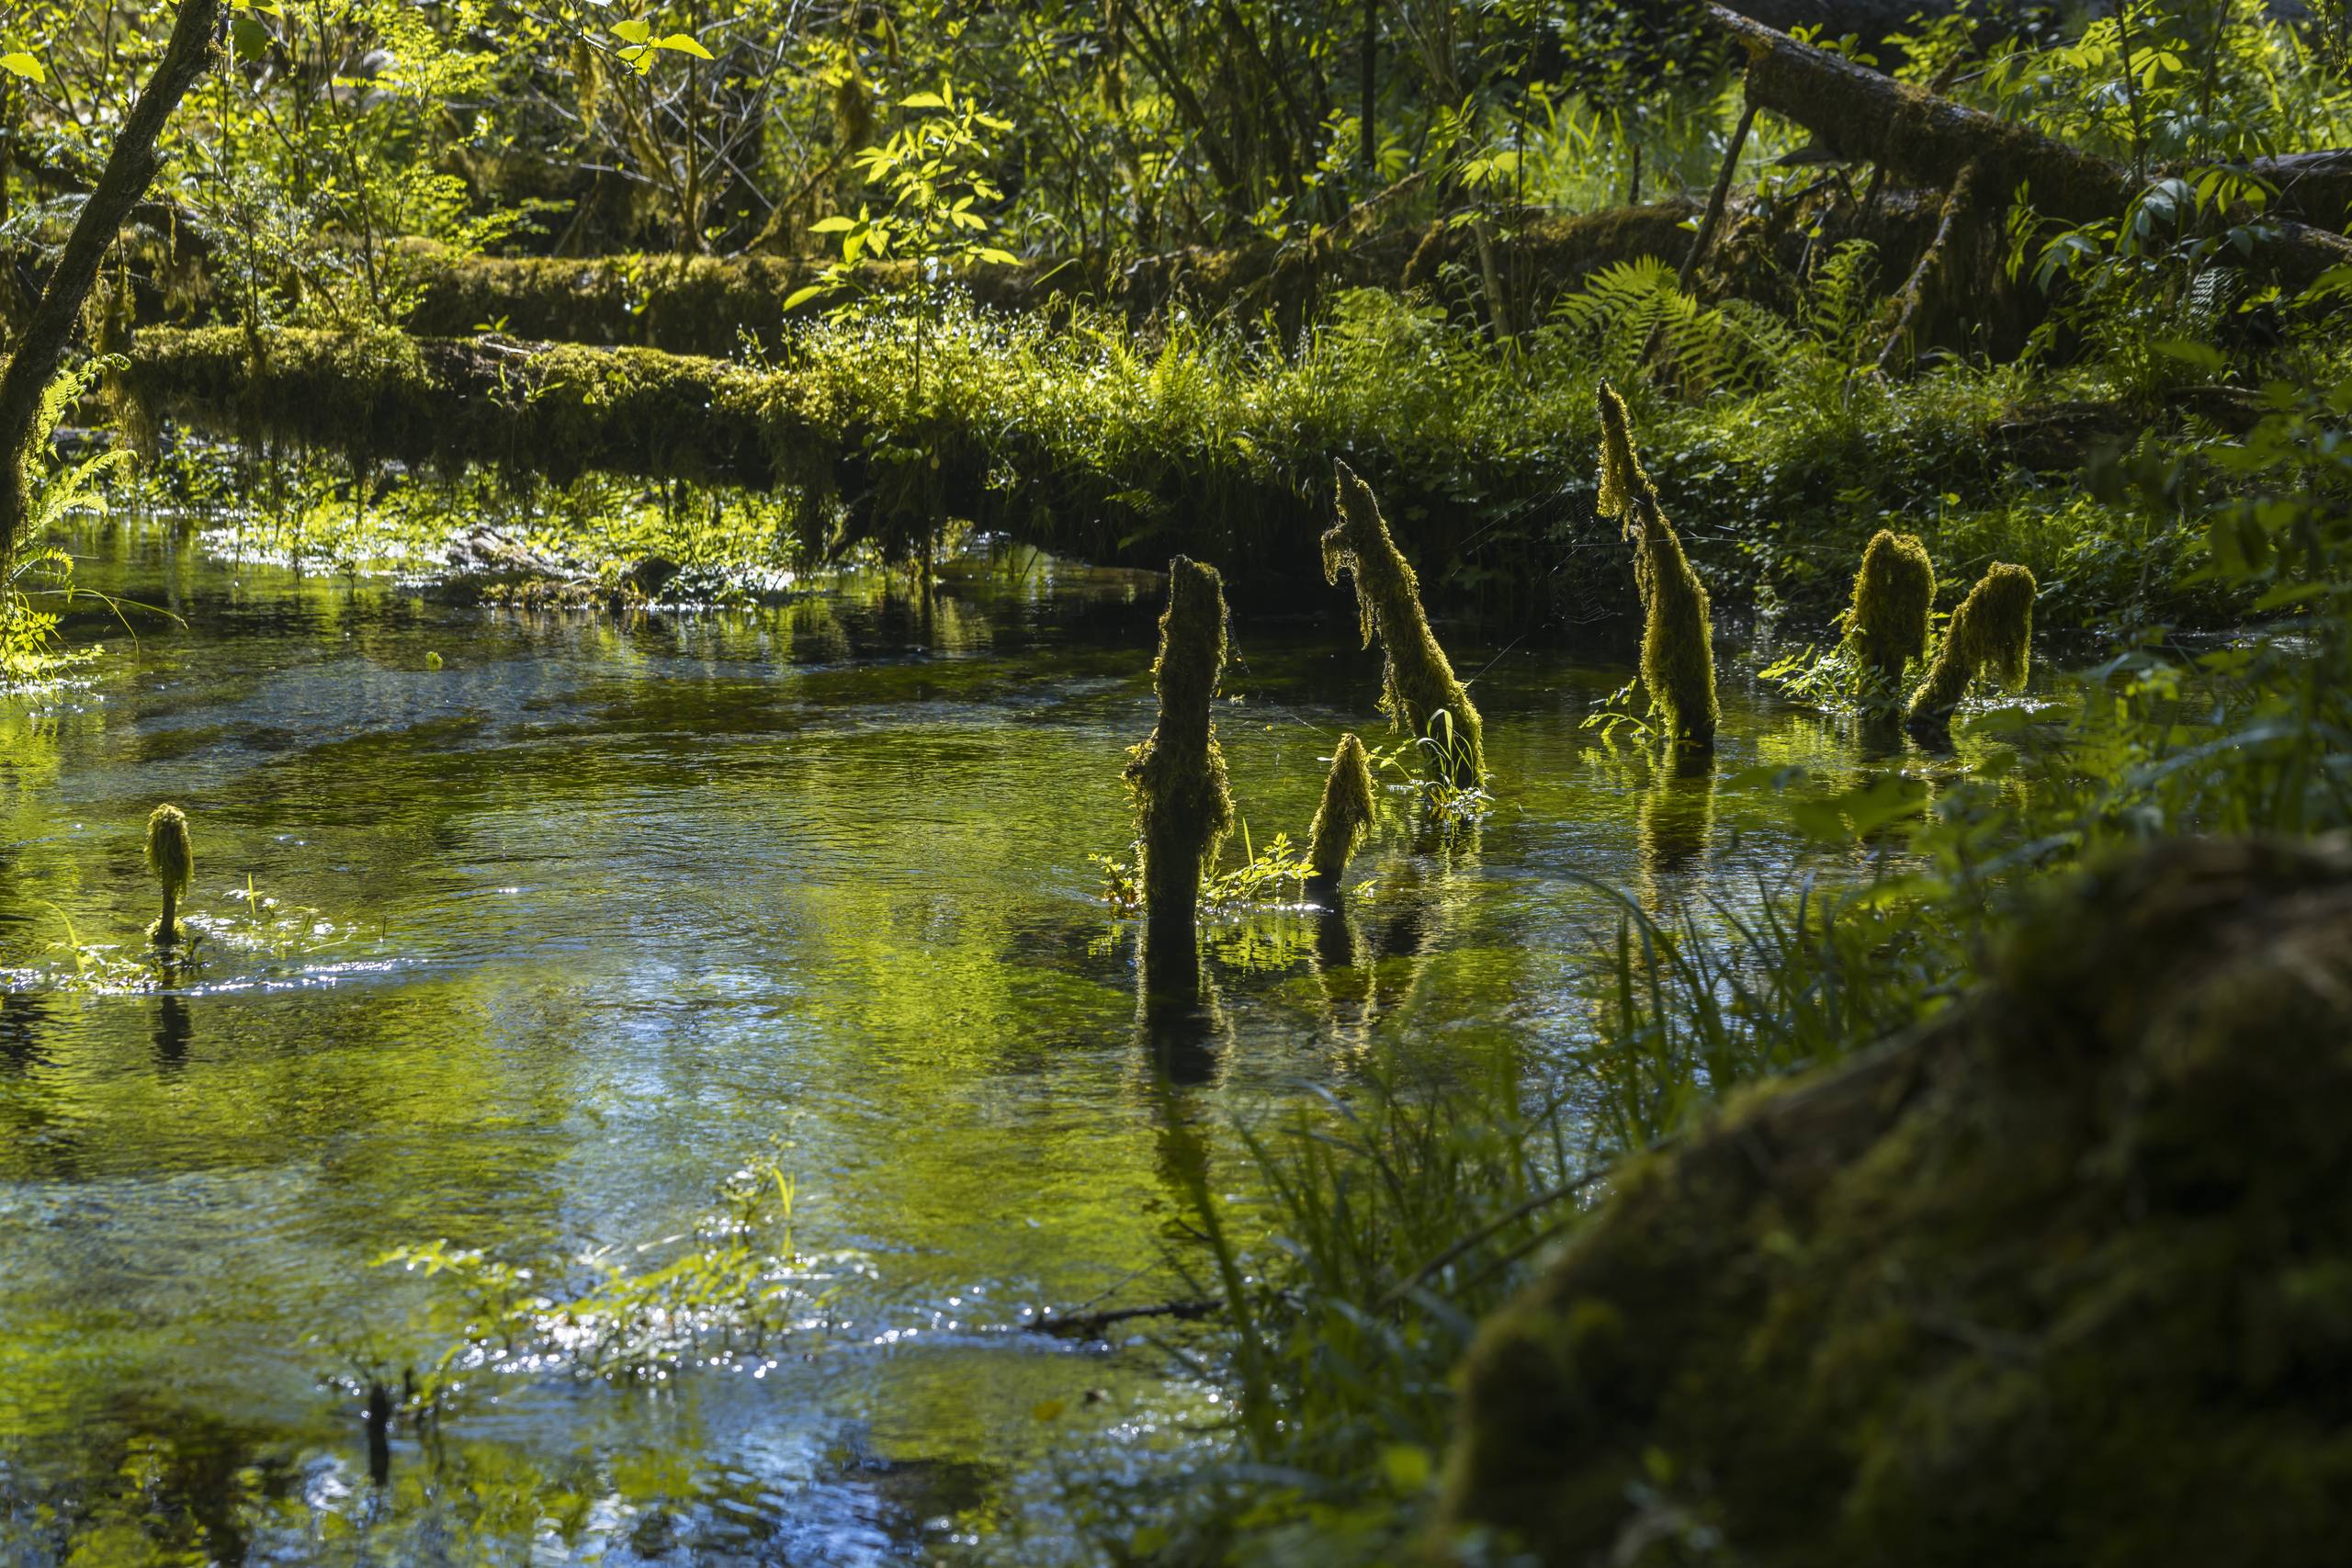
column 839, row 223
column 685, row 44
column 1859, row 813
column 17, row 63
column 633, row 32
column 923, row 101
column 799, row 296
column 1407, row 1465
column 2203, row 355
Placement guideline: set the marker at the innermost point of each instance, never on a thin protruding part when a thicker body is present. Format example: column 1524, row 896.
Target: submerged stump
column 1419, row 689
column 1677, row 627
column 173, row 860
column 2059, row 1277
column 1176, row 775
column 1894, row 596
column 1343, row 820
column 1990, row 634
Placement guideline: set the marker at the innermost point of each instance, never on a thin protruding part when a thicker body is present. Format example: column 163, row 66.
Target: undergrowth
column 1404, row 1206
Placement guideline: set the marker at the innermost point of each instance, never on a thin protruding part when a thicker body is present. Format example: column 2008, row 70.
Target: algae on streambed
column 629, row 903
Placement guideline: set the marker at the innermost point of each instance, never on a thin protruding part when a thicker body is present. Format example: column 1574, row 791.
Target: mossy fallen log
column 701, row 304
column 832, row 433
column 2064, row 1277
column 1923, row 136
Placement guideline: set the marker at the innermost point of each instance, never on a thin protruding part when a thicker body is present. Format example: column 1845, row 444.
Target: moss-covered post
column 1678, row 628
column 1182, row 810
column 1990, row 634
column 173, row 860
column 1419, row 689
column 1894, row 593
column 1343, row 820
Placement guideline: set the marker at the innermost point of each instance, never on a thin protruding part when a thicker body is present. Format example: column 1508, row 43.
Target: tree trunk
column 129, row 170
column 1923, row 136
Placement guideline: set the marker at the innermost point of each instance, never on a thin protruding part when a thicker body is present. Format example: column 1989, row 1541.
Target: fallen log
column 558, row 411
column 1927, row 139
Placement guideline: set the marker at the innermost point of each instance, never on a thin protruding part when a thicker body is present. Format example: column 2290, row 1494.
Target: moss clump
column 1344, row 820
column 2064, row 1277
column 173, row 860
column 1417, row 683
column 1182, row 809
column 1677, row 627
column 1990, row 634
column 1894, row 593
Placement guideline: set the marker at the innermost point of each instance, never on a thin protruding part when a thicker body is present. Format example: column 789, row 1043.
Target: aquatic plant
column 1678, row 631
column 1894, row 593
column 1418, row 682
column 1990, row 634
column 173, row 860
column 1345, row 816
column 1176, row 775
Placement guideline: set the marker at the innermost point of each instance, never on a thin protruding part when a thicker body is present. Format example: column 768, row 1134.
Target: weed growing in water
column 738, row 1288
column 1437, row 771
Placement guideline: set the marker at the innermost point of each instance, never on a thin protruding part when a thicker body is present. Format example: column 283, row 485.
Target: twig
column 1090, row 1325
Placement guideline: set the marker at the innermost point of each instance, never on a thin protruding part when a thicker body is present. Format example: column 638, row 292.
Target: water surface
column 570, row 928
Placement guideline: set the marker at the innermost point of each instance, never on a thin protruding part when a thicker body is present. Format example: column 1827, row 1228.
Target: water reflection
column 173, row 1029
column 1677, row 826
column 610, row 908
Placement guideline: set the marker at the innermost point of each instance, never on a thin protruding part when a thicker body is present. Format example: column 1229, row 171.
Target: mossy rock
column 2063, row 1277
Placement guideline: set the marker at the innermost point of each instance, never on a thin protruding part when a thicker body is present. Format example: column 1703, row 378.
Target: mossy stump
column 1678, row 625
column 1990, row 634
column 1176, row 775
column 1419, row 689
column 1344, row 819
column 173, row 860
column 1894, row 596
column 2062, row 1277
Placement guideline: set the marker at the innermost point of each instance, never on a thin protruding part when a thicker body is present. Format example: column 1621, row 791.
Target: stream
column 525, row 931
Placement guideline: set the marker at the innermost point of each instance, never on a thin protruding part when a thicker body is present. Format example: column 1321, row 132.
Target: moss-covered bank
column 2064, row 1278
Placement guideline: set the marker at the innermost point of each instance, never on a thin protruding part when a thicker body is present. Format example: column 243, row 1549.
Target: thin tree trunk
column 1716, row 200
column 130, row 168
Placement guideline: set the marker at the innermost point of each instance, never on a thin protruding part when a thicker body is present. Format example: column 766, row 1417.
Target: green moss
column 1418, row 689
column 173, row 860
column 1895, row 595
column 1345, row 817
column 1176, row 775
column 1678, row 626
column 1991, row 634
column 2057, row 1278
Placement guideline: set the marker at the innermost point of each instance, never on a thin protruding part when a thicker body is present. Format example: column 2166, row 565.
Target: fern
column 1841, row 311
column 29, row 649
column 1634, row 310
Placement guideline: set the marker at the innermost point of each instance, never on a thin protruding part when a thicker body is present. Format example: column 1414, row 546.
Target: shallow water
column 569, row 929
